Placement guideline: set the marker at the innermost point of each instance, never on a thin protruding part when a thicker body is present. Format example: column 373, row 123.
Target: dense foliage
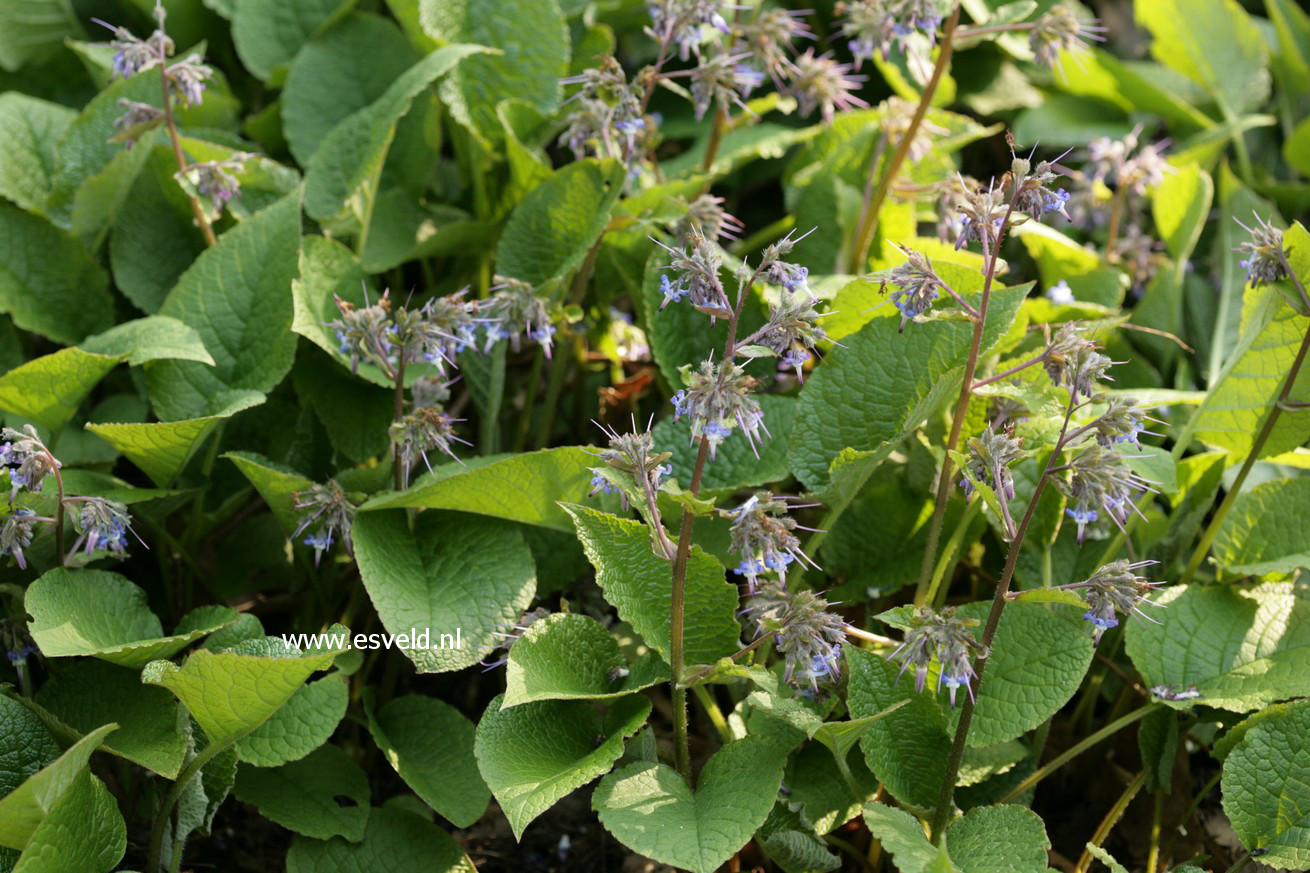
column 406, row 403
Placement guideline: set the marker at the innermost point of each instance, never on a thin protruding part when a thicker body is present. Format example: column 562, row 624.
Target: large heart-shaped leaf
column 461, row 580
column 533, row 755
column 566, row 656
column 652, row 810
column 1266, row 788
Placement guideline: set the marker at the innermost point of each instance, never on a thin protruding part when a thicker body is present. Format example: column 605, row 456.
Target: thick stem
column 869, row 214
column 1074, row 751
column 1211, row 531
column 1111, row 819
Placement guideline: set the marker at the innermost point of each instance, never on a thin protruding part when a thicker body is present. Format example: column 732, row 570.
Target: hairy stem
column 990, row 254
column 868, row 222
column 175, row 790
column 196, row 208
column 1212, row 530
column 678, row 604
column 947, row 795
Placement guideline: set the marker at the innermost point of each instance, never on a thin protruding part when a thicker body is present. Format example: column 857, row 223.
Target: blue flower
column 673, row 291
column 601, row 485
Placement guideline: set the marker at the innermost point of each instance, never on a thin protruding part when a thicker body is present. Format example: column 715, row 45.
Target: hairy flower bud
column 102, row 525
column 1100, row 481
column 1264, row 261
column 1115, row 588
column 26, row 459
column 917, row 285
column 16, row 531
column 762, row 534
column 1059, row 29
column 1072, row 360
column 696, row 275
column 421, row 431
column 819, row 82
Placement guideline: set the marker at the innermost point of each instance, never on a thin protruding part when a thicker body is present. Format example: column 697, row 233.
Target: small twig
column 1111, row 819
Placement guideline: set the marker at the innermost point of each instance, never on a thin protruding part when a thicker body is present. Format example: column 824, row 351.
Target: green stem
column 1153, row 856
column 677, row 606
column 398, row 473
column 991, row 252
column 1240, row 864
column 952, row 546
column 196, row 209
column 170, row 800
column 1212, row 530
column 1074, row 751
column 529, row 400
column 868, row 222
column 712, row 710
column 1111, row 819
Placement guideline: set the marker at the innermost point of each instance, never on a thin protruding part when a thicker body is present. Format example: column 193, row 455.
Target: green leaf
column 162, row 449
column 48, row 390
column 29, row 131
column 523, row 488
column 231, row 693
column 1266, row 788
column 154, row 338
column 1215, row 44
column 1180, row 206
column 268, row 34
column 639, row 585
column 323, row 795
column 459, row 579
column 237, row 296
column 532, row 40
column 790, row 841
column 88, row 694
column 154, row 238
column 395, row 839
column 25, row 744
column 102, row 614
column 354, row 150
column 907, row 750
column 1038, row 659
column 355, row 415
column 82, row 831
column 533, row 755
column 884, row 383
column 1237, row 408
column 1241, row 649
column 652, row 810
column 22, row 810
column 1157, row 740
column 1061, row 258
column 903, row 836
column 340, row 71
column 1267, row 530
column 567, row 656
column 998, row 839
column 549, row 233
column 275, row 483
column 32, row 29
column 430, row 744
column 735, row 466
column 48, row 283
column 302, row 725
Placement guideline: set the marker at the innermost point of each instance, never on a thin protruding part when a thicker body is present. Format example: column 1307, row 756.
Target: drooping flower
column 917, row 285
column 1122, row 422
column 1072, row 360
column 515, row 312
column 695, row 269
column 819, row 82
column 762, row 534
column 1101, row 482
column 16, row 530
column 135, row 122
column 896, row 117
column 937, row 635
column 327, row 514
column 132, row 54
column 1264, row 261
column 875, row 27
column 718, row 400
column 990, row 455
column 421, row 431
column 187, row 79
column 607, row 121
column 1115, row 589
column 771, row 37
column 216, row 180
column 707, row 217
column 806, row 632
column 1058, row 30
column 723, row 80
column 102, row 525
column 26, row 459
